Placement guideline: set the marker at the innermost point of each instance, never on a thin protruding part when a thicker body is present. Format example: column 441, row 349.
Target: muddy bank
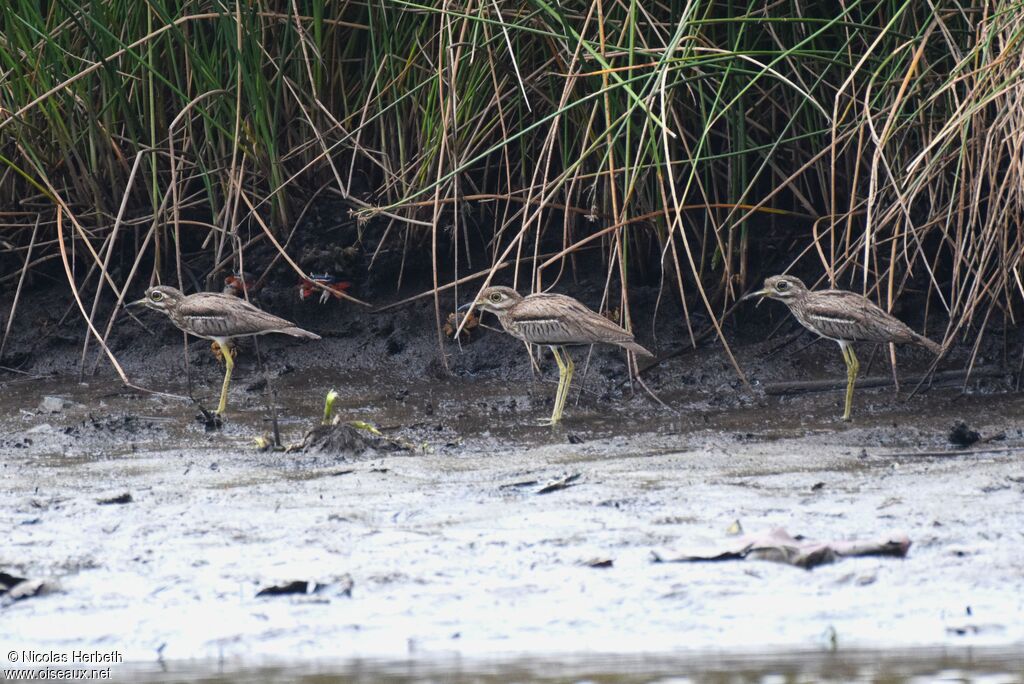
column 450, row 549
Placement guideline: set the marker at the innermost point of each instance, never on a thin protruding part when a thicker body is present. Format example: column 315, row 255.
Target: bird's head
column 160, row 298
column 784, row 287
column 496, row 299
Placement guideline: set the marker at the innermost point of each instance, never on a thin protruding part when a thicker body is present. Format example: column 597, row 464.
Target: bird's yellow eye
column 782, row 287
column 496, row 297
column 157, row 296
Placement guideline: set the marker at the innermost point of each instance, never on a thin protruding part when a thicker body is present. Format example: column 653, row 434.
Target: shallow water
column 919, row 666
column 455, row 562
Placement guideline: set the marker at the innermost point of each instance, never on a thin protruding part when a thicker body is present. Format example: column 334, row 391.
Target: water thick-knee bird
column 219, row 317
column 555, row 321
column 844, row 317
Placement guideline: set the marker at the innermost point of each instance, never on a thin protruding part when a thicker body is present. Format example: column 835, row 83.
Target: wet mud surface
column 449, row 548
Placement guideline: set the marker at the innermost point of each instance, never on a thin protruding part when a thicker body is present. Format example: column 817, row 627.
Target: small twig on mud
column 694, row 345
column 273, row 419
column 951, row 452
column 92, row 328
column 798, row 387
column 138, row 320
column 211, row 421
column 636, row 367
column 109, row 249
column 21, row 283
column 777, row 349
column 140, row 252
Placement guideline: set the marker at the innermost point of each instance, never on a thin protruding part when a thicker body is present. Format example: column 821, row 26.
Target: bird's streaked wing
column 843, row 315
column 214, row 314
column 557, row 319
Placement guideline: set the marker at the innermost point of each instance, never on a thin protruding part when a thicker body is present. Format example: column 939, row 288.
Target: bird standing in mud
column 219, row 317
column 842, row 316
column 554, row 321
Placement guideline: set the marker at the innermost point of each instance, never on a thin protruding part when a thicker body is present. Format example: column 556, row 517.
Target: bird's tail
column 296, row 331
column 927, row 344
column 636, row 349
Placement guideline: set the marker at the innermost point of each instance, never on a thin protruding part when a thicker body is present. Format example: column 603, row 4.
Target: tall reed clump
column 877, row 143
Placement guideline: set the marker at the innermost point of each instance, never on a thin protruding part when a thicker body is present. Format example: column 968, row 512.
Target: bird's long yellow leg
column 229, row 365
column 569, row 368
column 852, row 369
column 556, row 413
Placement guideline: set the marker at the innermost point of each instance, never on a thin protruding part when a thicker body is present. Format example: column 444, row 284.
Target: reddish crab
column 219, row 355
column 452, row 324
column 239, row 283
column 335, row 287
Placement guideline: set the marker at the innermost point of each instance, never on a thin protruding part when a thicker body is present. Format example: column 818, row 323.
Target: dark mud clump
column 963, row 436
column 348, row 441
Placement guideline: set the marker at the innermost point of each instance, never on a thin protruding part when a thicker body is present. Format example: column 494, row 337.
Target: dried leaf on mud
column 518, row 485
column 340, row 586
column 560, row 483
column 14, row 588
column 781, row 547
column 120, row 498
column 598, row 563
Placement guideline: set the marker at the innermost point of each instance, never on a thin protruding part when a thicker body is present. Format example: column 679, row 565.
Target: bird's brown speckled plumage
column 219, row 317
column 213, row 315
column 555, row 321
column 842, row 316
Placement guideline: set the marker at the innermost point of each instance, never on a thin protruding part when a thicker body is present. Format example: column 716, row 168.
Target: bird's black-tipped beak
column 466, row 307
column 137, row 302
column 759, row 293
